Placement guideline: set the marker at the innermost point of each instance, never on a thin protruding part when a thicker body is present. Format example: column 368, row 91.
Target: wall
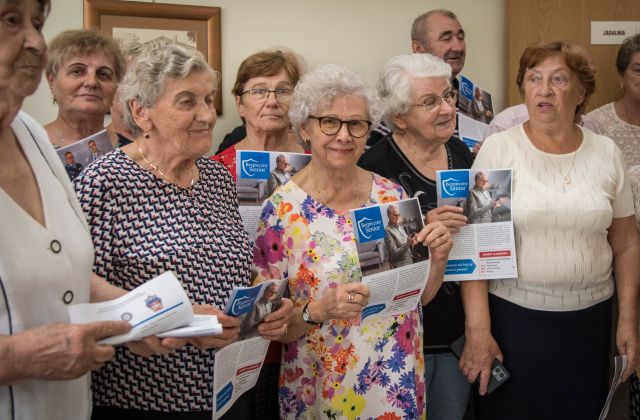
column 362, row 34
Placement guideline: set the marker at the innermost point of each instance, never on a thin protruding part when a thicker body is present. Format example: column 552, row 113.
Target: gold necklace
column 188, row 189
column 566, row 178
column 415, row 155
column 321, row 196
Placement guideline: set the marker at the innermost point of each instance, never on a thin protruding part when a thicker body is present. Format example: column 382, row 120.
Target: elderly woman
column 620, row 121
column 117, row 130
column 420, row 109
column 263, row 89
column 83, row 73
column 157, row 205
column 334, row 365
column 45, row 249
column 573, row 216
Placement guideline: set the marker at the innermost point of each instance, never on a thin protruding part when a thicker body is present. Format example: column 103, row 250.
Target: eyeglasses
column 331, row 126
column 431, row 103
column 261, row 94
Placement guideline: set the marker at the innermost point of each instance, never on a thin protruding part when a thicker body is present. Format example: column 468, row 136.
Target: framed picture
column 195, row 27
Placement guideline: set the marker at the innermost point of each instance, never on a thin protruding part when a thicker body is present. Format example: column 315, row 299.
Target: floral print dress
column 344, row 369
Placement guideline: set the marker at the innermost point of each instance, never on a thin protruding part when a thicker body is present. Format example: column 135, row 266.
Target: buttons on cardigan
column 55, row 246
column 67, row 298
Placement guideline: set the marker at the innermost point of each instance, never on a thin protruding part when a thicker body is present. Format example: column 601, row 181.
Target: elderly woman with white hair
column 334, row 364
column 159, row 204
column 420, row 107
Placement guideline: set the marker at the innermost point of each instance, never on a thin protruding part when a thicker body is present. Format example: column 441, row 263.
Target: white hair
column 146, row 78
column 317, row 90
column 395, row 81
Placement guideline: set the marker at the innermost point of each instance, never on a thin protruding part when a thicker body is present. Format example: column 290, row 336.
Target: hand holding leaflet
column 397, row 281
column 620, row 363
column 158, row 305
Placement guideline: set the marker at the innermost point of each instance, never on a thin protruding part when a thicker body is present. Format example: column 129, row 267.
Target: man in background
column 437, row 32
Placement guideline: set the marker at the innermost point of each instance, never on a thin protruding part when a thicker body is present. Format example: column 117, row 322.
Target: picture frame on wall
column 196, row 27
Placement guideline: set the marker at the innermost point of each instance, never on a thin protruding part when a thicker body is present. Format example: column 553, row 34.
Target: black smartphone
column 499, row 374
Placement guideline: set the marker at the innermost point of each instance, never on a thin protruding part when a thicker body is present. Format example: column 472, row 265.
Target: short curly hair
column 630, row 46
column 146, row 80
column 74, row 43
column 395, row 81
column 572, row 56
column 317, row 90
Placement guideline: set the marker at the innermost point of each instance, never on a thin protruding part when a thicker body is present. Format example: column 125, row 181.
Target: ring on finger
column 350, row 297
column 445, row 237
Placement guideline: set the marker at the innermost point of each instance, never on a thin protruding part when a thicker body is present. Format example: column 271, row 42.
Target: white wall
column 360, row 33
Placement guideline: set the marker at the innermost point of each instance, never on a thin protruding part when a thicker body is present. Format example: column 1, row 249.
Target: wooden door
column 530, row 21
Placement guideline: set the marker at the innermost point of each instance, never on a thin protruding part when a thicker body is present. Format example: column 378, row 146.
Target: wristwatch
column 306, row 316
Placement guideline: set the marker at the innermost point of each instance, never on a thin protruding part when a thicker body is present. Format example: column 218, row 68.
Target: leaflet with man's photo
column 157, row 306
column 394, row 265
column 484, row 249
column 475, row 112
column 77, row 156
column 252, row 304
column 258, row 174
column 237, row 366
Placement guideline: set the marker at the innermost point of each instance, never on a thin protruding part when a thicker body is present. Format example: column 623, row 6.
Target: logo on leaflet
column 454, row 184
column 154, row 303
column 242, row 305
column 254, row 165
column 369, row 223
column 466, row 88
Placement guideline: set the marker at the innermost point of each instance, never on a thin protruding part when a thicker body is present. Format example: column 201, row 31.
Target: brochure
column 258, row 174
column 475, row 112
column 485, row 248
column 620, row 363
column 394, row 266
column 236, row 369
column 157, row 306
column 252, row 304
column 200, row 326
column 77, row 156
column 237, row 366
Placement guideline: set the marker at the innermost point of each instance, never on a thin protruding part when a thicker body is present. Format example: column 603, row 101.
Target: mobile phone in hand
column 499, row 374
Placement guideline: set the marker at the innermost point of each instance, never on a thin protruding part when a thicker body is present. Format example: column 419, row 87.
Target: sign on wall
column 612, row 33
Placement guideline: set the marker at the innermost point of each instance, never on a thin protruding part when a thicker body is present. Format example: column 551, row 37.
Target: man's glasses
column 331, row 125
column 431, row 103
column 261, row 94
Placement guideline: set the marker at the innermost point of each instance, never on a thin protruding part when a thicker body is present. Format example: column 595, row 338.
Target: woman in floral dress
column 334, row 364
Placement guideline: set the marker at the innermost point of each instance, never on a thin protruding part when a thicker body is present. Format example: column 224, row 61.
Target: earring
column 147, row 136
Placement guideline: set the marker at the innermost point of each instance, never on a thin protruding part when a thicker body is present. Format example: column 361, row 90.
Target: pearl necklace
column 189, row 189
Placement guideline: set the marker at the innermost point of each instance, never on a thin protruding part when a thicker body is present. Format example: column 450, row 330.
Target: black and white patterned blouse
column 141, row 227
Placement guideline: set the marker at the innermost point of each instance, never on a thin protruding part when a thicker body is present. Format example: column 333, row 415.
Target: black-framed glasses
column 261, row 94
column 433, row 102
column 331, row 125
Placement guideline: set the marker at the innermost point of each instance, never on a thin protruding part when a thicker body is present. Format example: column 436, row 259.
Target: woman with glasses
column 420, row 108
column 263, row 89
column 574, row 223
column 334, row 364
